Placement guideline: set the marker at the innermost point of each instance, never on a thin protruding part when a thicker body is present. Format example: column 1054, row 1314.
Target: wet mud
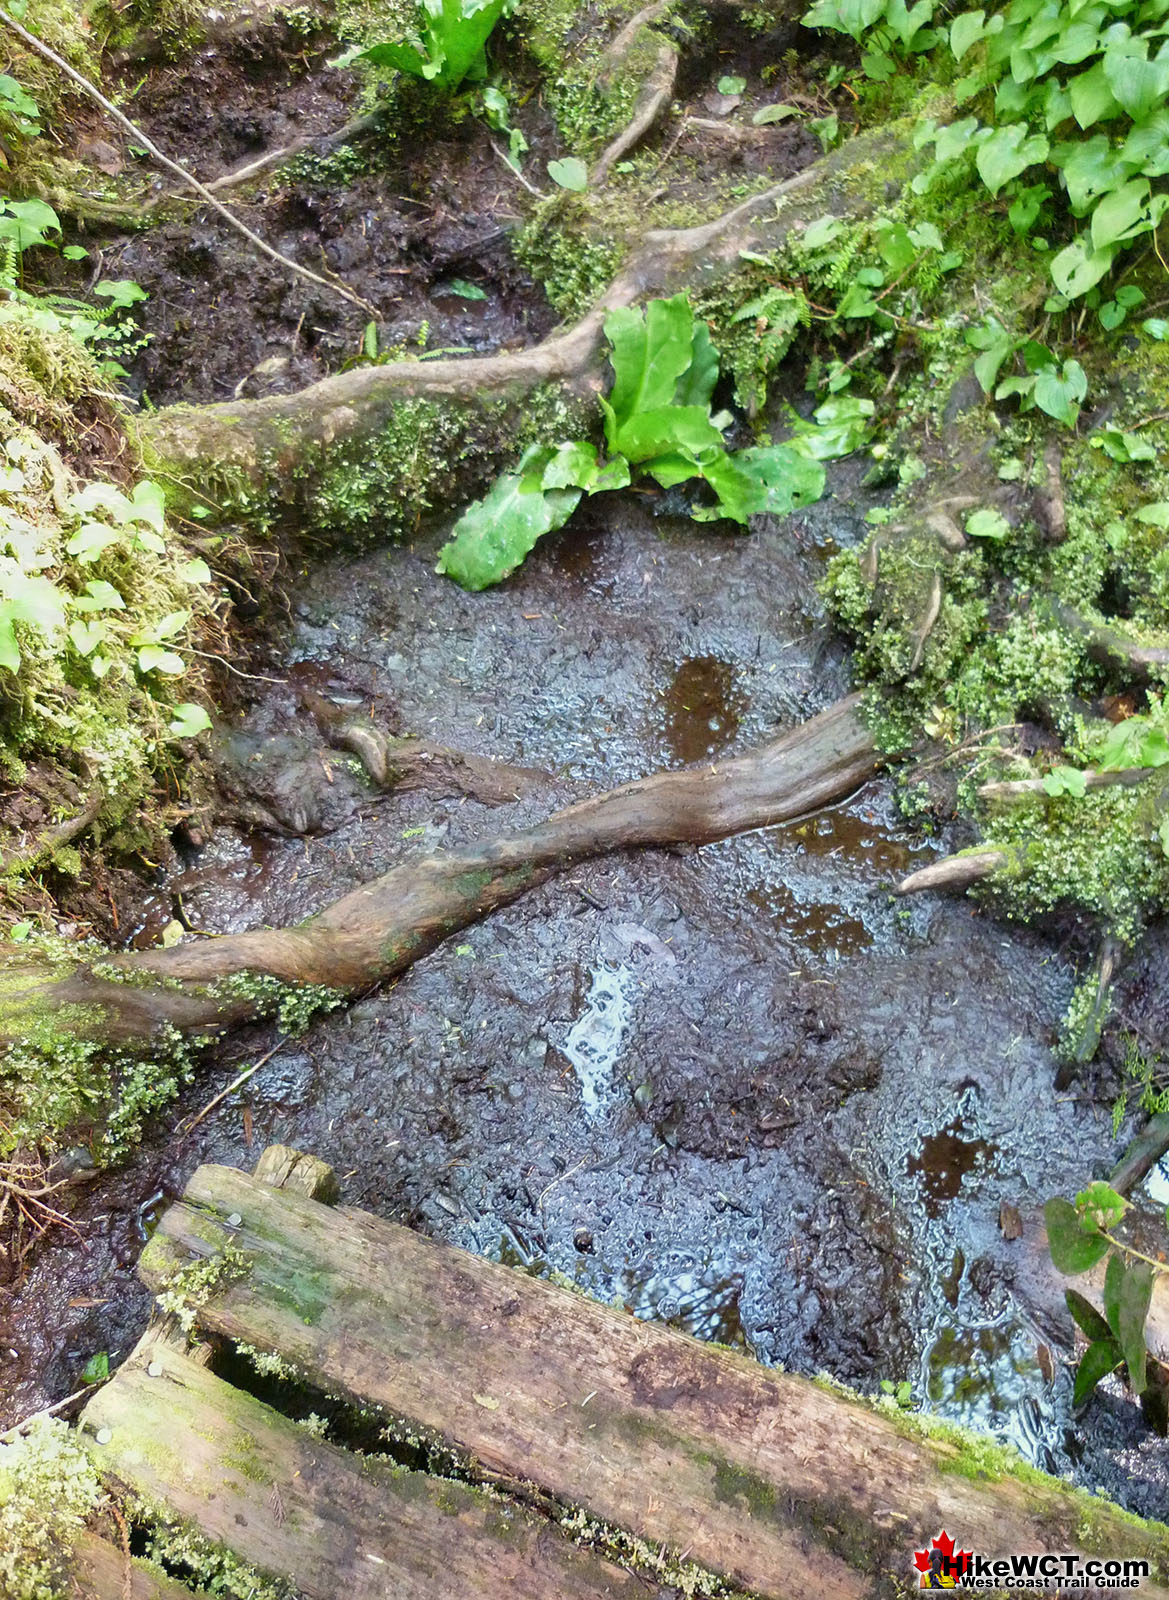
column 739, row 1088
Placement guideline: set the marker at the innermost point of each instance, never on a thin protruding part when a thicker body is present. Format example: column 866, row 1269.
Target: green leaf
column 98, row 596
column 1155, row 513
column 1098, row 1360
column 86, row 636
column 1113, row 1284
column 1007, row 153
column 1138, row 85
column 841, row 426
column 195, row 571
column 189, row 720
column 570, row 466
column 776, row 113
column 570, row 173
column 731, row 85
column 464, row 290
column 966, row 31
column 96, row 1369
column 1058, row 391
column 696, row 385
column 1099, row 1206
column 1072, row 1250
column 853, row 17
column 987, row 524
column 667, row 429
column 822, row 232
column 1078, row 267
column 153, row 658
column 1092, row 99
column 1121, row 213
column 1088, row 1319
column 651, row 349
column 785, row 478
column 493, row 536
column 1066, row 780
column 954, row 140
column 1136, row 1292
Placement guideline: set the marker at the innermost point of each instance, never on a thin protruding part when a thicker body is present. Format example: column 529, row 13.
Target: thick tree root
column 655, row 96
column 266, row 444
column 380, row 929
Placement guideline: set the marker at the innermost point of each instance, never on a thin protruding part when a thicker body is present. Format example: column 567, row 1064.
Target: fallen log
column 779, row 1485
column 380, row 929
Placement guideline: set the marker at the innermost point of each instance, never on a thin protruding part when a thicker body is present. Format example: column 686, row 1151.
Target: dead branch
column 1110, row 645
column 1024, row 788
column 954, row 872
column 53, row 838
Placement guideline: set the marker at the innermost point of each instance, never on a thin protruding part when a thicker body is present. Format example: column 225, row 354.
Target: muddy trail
column 738, row 1088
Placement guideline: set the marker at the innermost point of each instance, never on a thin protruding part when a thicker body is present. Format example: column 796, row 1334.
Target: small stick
column 235, row 1084
column 188, row 178
column 49, row 1411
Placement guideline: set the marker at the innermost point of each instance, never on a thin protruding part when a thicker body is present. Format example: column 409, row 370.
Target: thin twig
column 49, row 1411
column 515, row 171
column 53, row 838
column 188, row 178
column 235, row 1084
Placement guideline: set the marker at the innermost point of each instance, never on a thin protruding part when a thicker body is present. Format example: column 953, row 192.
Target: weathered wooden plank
column 285, row 1168
column 332, row 1522
column 99, row 1573
column 781, row 1485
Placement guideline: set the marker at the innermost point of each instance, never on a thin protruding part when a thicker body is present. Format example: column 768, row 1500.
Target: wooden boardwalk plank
column 99, row 1573
column 335, row 1523
column 784, row 1487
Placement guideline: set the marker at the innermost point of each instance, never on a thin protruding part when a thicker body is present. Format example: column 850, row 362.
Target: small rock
column 104, row 1435
column 583, row 1240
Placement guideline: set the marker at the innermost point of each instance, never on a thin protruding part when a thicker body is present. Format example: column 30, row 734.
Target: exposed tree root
column 655, row 96
column 954, row 872
column 1111, row 646
column 266, row 443
column 383, row 927
column 53, row 838
column 395, row 763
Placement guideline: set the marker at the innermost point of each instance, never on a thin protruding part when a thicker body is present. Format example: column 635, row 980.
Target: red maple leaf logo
column 952, row 1563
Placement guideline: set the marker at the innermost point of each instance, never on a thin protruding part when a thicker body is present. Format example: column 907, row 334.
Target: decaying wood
column 1144, row 1150
column 331, row 1522
column 1108, row 644
column 783, row 1487
column 953, row 872
column 383, row 927
column 99, row 1573
column 284, row 1168
column 408, row 763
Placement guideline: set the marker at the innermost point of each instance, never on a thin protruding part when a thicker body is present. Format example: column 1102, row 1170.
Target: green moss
column 48, row 1488
column 193, row 1284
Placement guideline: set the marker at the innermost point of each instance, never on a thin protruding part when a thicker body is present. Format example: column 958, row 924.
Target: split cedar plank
column 99, row 1573
column 784, row 1487
column 331, row 1522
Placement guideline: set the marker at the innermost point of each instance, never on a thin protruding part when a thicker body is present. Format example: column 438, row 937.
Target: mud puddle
column 672, row 1077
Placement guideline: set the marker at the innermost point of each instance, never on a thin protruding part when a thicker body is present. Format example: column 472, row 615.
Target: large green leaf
column 453, row 34
column 34, row 601
column 1072, row 1250
column 696, row 385
column 1008, row 152
column 1098, row 1360
column 494, row 535
column 1087, row 1318
column 844, row 16
column 666, row 430
column 1136, row 1292
column 652, row 348
column 1139, row 85
column 785, row 478
column 1121, row 214
column 1078, row 267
